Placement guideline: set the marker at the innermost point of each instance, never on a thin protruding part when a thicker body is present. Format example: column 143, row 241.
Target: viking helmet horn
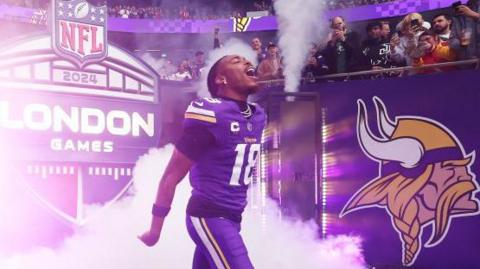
column 385, row 124
column 407, row 151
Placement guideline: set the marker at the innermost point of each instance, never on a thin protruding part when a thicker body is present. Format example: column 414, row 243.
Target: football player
column 219, row 146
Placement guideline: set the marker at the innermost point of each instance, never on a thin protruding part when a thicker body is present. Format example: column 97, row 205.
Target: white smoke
column 231, row 46
column 110, row 240
column 300, row 24
column 162, row 66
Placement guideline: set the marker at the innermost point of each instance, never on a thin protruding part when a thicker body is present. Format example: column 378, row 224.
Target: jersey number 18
column 248, row 153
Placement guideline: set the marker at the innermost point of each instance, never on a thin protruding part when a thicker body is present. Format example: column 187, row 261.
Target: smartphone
column 456, row 5
column 415, row 22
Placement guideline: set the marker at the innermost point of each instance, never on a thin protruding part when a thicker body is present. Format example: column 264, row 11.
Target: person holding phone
column 404, row 43
column 469, row 10
column 375, row 51
column 342, row 52
column 431, row 50
column 466, row 29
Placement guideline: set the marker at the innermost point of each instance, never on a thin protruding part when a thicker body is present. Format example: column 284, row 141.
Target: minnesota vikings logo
column 424, row 177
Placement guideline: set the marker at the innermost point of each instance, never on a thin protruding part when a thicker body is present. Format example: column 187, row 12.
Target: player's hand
column 149, row 238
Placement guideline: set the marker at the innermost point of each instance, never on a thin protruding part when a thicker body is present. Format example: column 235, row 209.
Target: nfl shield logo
column 79, row 31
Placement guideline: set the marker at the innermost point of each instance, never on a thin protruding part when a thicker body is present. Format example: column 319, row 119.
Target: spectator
column 314, row 66
column 124, row 12
column 141, row 13
column 270, row 67
column 342, row 51
column 432, row 51
column 256, row 45
column 133, row 12
column 375, row 50
column 216, row 38
column 385, row 30
column 441, row 25
column 261, row 5
column 311, row 69
column 410, row 28
column 198, row 64
column 184, row 13
column 166, row 68
column 183, row 73
column 466, row 30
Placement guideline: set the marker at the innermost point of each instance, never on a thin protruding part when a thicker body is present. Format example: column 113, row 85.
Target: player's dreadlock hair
column 212, row 87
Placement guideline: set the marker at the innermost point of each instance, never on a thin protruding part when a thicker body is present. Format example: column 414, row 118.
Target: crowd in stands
column 339, row 4
column 192, row 9
column 413, row 42
column 221, row 10
column 183, row 12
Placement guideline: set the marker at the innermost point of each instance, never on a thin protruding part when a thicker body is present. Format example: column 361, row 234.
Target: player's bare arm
column 176, row 170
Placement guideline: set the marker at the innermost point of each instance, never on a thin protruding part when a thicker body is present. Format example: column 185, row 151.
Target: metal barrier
column 473, row 63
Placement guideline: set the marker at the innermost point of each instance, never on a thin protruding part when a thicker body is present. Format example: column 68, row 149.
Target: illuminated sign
column 75, row 112
column 79, row 31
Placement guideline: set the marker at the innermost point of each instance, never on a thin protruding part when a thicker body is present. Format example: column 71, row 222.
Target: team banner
column 402, row 168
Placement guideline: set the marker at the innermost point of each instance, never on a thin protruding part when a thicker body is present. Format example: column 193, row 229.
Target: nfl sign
column 75, row 113
column 80, row 31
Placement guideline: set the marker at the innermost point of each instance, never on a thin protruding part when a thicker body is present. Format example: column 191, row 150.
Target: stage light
column 325, row 135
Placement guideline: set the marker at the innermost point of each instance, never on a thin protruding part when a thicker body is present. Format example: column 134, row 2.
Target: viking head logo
column 424, row 177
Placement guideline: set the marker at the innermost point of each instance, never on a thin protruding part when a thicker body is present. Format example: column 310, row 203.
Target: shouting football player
column 219, row 146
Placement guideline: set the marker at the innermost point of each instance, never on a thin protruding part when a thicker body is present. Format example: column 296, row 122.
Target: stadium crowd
column 191, row 9
column 183, row 12
column 413, row 42
column 222, row 9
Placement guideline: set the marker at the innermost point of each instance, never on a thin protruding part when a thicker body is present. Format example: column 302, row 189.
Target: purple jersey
column 220, row 176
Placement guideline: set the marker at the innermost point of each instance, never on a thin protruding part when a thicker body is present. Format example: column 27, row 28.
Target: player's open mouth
column 251, row 72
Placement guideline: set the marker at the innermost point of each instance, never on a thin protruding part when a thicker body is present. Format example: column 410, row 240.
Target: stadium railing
column 471, row 64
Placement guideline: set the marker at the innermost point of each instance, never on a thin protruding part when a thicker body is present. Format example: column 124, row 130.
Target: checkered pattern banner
column 402, row 8
column 173, row 26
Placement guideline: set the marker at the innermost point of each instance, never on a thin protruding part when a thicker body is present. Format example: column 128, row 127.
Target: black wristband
column 160, row 211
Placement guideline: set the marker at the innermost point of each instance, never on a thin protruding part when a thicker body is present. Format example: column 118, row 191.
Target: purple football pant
column 218, row 244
